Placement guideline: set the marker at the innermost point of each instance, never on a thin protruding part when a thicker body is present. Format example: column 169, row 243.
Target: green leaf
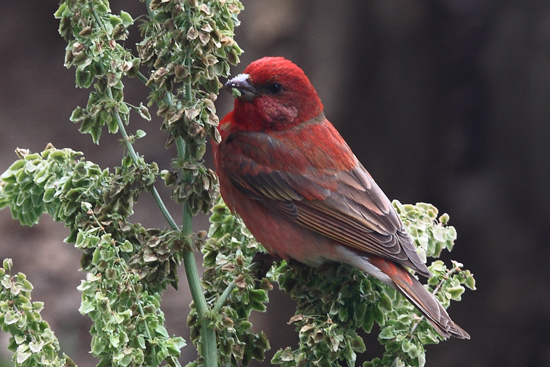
column 343, row 314
column 98, row 345
column 38, row 306
column 111, row 123
column 385, row 302
column 126, row 18
column 127, row 246
column 86, row 307
column 175, row 344
column 258, row 306
column 406, row 346
column 141, row 341
column 11, row 317
column 21, row 356
column 84, row 79
column 456, row 292
column 26, row 285
column 161, row 330
column 387, row 333
column 123, row 108
column 7, row 264
column 259, row 295
column 470, row 282
column 114, row 20
column 378, row 315
column 60, row 11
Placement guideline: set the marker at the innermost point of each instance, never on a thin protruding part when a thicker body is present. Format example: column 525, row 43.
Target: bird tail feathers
column 428, row 305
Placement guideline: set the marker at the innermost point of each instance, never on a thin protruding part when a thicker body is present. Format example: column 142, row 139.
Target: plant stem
column 221, row 300
column 210, row 348
column 210, row 353
column 127, row 142
column 135, row 158
column 144, row 79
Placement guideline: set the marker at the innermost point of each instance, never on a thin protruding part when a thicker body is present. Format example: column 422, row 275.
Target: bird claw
column 264, row 262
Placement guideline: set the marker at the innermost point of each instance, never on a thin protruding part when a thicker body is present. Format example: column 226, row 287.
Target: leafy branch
column 184, row 68
column 32, row 341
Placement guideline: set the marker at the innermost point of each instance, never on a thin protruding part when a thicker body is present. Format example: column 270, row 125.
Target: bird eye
column 275, row 88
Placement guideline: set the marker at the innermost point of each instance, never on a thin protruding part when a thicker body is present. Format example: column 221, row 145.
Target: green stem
column 135, row 158
column 144, row 79
column 210, row 352
column 210, row 349
column 148, row 5
column 221, row 300
column 147, row 332
column 96, row 17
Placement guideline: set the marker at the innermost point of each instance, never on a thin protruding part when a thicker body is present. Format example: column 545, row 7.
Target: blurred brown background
column 443, row 101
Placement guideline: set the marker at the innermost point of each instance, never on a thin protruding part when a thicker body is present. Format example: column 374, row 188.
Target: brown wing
column 341, row 202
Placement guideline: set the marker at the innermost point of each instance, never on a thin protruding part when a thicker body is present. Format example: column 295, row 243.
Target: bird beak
column 241, row 87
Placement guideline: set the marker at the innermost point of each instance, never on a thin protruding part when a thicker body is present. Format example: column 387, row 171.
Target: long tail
column 423, row 300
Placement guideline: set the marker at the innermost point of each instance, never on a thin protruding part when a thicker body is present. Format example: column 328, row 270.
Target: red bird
column 291, row 177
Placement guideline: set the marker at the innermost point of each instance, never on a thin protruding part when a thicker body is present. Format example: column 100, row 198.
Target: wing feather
column 330, row 195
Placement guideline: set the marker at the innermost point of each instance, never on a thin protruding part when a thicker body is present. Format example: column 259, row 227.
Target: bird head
column 273, row 94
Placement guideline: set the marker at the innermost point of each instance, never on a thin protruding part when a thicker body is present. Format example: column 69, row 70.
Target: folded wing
column 319, row 187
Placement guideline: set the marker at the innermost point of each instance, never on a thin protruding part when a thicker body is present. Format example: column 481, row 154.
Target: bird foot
column 264, row 262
